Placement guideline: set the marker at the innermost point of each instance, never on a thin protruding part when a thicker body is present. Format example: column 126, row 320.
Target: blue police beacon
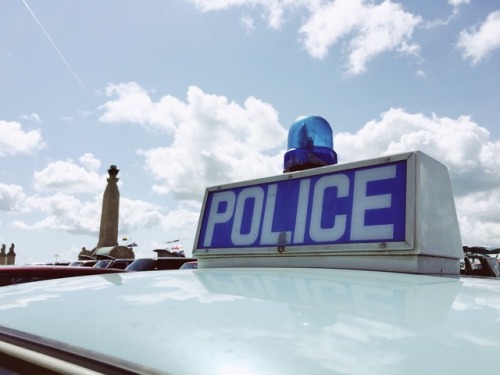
column 310, row 144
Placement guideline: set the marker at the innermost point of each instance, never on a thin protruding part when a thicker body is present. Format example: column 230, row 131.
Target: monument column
column 3, row 256
column 108, row 232
column 11, row 256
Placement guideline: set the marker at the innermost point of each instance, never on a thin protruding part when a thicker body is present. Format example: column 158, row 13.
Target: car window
column 480, row 265
column 102, row 264
column 141, row 265
column 170, row 263
column 120, row 264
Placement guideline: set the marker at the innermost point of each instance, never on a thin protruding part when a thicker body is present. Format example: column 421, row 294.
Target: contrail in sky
column 57, row 50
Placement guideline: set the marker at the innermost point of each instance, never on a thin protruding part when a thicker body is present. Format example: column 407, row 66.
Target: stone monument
column 11, row 256
column 108, row 232
column 3, row 256
column 107, row 246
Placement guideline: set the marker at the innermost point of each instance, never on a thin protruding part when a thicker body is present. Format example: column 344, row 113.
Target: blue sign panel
column 360, row 205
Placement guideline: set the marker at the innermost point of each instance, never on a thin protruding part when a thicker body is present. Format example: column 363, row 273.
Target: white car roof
column 269, row 321
column 366, row 236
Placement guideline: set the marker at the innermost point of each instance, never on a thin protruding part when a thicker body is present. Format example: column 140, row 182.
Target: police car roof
column 394, row 213
column 266, row 321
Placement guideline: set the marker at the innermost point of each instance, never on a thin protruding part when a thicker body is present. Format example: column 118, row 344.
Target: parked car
column 47, row 264
column 120, row 263
column 480, row 265
column 161, row 263
column 22, row 274
column 83, row 263
column 113, row 263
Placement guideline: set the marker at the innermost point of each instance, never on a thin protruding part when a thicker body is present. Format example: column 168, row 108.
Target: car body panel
column 22, row 274
column 269, row 321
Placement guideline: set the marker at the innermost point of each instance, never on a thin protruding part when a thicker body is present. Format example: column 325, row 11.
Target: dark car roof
column 160, row 263
column 22, row 274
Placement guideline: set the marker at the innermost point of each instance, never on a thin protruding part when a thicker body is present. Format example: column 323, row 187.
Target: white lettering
column 269, row 237
column 317, row 233
column 238, row 238
column 363, row 203
column 219, row 217
column 301, row 216
column 256, row 215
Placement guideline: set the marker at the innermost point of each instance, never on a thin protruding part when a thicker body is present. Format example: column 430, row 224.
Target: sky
column 181, row 95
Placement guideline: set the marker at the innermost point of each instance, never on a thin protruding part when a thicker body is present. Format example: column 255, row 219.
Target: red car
column 23, row 274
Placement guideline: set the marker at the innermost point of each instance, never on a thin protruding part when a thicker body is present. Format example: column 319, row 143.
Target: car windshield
column 141, row 265
column 120, row 264
column 102, row 264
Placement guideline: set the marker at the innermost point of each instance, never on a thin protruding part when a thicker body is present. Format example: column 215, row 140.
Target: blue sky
column 185, row 94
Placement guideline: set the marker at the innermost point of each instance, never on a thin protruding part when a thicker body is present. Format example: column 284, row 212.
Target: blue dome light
column 310, row 144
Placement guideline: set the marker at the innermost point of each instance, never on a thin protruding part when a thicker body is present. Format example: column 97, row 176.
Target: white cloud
column 328, row 24
column 14, row 140
column 421, row 74
column 150, row 225
column 479, row 218
column 70, row 177
column 369, row 29
column 412, row 49
column 248, row 24
column 214, row 140
column 133, row 104
column 478, row 42
column 274, row 11
column 208, row 5
column 461, row 144
column 183, row 222
column 136, row 214
column 372, row 29
column 67, row 118
column 89, row 162
column 11, row 197
column 33, row 116
column 438, row 22
column 63, row 212
column 457, row 3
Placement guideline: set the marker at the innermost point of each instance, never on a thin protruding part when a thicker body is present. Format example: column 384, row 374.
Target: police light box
column 392, row 213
